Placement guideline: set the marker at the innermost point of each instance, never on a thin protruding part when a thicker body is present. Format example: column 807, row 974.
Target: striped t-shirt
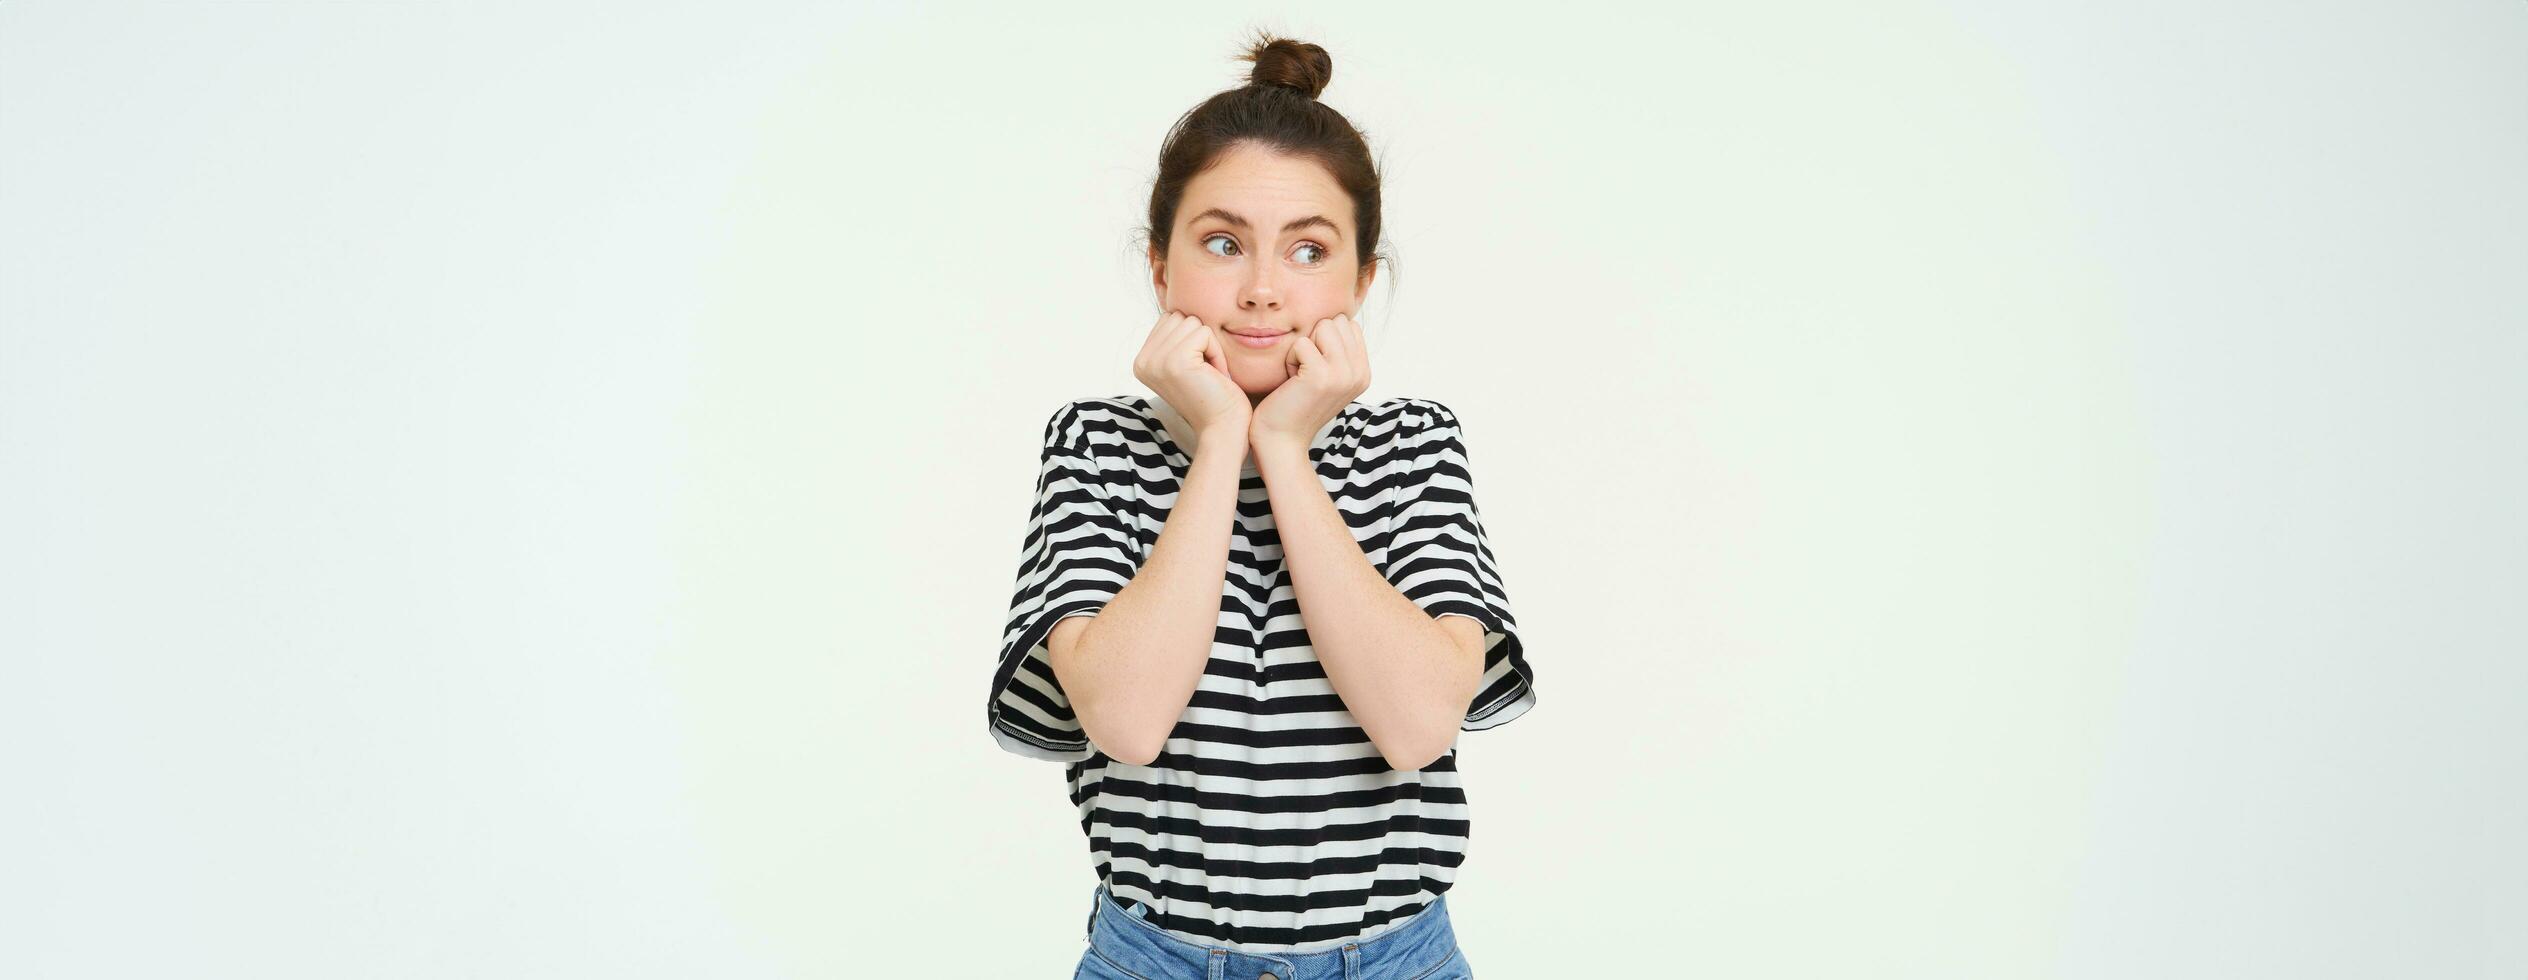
column 1268, row 821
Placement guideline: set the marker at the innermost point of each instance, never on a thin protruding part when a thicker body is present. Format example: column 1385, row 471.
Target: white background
column 1990, row 489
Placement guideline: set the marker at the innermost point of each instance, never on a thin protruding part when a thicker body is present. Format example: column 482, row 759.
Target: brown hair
column 1277, row 108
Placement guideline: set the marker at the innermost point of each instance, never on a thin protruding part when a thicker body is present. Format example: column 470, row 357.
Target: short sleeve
column 1438, row 556
column 1074, row 558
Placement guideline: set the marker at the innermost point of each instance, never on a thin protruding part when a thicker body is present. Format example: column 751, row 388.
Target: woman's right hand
column 1184, row 363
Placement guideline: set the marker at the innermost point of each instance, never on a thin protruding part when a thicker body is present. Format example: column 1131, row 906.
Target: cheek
column 1202, row 295
column 1325, row 298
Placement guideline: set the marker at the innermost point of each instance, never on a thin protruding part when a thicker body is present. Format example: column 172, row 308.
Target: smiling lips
column 1259, row 341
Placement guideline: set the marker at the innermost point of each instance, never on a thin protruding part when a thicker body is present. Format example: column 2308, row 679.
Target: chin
column 1265, row 388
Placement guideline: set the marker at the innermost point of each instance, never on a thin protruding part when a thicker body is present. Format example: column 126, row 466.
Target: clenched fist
column 1329, row 366
column 1184, row 363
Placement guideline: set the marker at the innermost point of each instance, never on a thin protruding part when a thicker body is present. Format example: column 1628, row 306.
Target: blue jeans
column 1123, row 945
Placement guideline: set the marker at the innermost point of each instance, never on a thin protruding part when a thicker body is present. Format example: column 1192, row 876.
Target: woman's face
column 1262, row 244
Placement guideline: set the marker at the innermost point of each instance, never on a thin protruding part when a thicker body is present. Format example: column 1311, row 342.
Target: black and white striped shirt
column 1268, row 821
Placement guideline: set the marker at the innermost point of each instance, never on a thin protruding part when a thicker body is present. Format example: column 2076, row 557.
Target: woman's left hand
column 1329, row 366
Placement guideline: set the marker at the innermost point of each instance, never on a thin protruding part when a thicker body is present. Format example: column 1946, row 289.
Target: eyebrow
column 1314, row 219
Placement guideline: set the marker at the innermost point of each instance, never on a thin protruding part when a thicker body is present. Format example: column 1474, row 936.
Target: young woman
column 1252, row 613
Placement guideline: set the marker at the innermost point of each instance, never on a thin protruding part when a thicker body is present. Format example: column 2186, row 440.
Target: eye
column 1233, row 243
column 1316, row 249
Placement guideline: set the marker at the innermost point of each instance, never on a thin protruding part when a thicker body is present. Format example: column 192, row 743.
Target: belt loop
column 1352, row 961
column 1219, row 965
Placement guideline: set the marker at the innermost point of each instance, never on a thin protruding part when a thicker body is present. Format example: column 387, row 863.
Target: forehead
column 1266, row 187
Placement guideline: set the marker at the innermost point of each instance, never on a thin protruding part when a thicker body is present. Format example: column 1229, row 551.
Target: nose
column 1260, row 291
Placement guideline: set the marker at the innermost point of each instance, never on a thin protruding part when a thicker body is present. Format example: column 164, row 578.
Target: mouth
column 1258, row 338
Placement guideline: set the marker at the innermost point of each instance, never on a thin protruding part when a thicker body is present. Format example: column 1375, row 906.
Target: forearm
column 1402, row 676
column 1136, row 664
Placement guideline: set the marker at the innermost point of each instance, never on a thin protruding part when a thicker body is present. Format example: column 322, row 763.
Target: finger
column 1215, row 354
column 1304, row 355
column 1347, row 350
column 1157, row 336
column 1355, row 349
column 1360, row 356
column 1331, row 342
column 1163, row 334
column 1193, row 337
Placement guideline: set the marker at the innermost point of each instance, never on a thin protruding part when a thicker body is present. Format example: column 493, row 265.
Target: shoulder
column 1419, row 406
column 1105, row 405
column 1073, row 422
column 1410, row 417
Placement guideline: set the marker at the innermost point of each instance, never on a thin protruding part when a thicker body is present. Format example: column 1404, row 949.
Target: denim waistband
column 1120, row 932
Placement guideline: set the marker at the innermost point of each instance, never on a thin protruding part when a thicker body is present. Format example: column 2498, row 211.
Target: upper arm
column 1077, row 553
column 1439, row 556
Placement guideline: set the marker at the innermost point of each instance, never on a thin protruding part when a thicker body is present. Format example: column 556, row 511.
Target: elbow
column 1124, row 749
column 1420, row 750
column 1117, row 735
column 1411, row 758
column 1132, row 751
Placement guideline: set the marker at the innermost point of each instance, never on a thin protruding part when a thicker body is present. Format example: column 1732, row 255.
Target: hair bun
column 1296, row 65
